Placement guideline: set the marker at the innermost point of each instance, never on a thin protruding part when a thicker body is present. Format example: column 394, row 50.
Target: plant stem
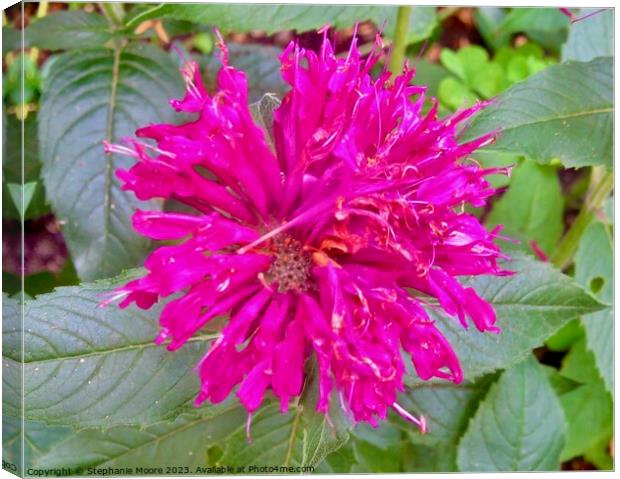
column 400, row 39
column 601, row 185
column 113, row 11
column 34, row 51
column 42, row 10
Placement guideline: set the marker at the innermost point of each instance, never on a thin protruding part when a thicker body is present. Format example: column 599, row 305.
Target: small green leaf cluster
column 477, row 76
column 12, row 84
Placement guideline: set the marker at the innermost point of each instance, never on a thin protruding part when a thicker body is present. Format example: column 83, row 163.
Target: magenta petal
column 288, row 364
column 219, row 372
column 168, row 226
column 252, row 390
column 481, row 313
column 431, row 353
column 196, row 94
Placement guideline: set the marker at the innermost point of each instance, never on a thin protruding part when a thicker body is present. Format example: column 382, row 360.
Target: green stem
column 41, row 12
column 113, row 11
column 601, row 185
column 400, row 39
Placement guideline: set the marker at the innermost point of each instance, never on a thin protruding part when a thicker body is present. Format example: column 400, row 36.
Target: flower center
column 291, row 266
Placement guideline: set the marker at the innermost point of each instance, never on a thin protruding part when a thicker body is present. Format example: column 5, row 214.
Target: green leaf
column 369, row 450
column 529, row 19
column 599, row 329
column 66, row 30
column 496, row 159
column 10, row 210
column 446, row 408
column 12, row 388
column 340, row 461
column 372, row 459
column 531, row 305
column 489, row 81
column 11, row 39
column 384, row 436
column 589, row 414
column 430, row 75
column 23, row 192
column 417, row 458
column 594, row 262
column 546, row 26
column 518, row 427
column 34, row 196
column 591, row 37
column 268, row 18
column 302, row 437
column 453, row 62
column 588, row 408
column 12, row 158
column 376, row 449
column 12, row 166
column 259, row 62
column 11, row 341
column 533, row 207
column 86, row 365
column 466, row 62
column 422, row 22
column 455, row 94
column 482, row 76
column 594, row 271
column 578, row 365
column 560, row 384
column 40, row 283
column 21, row 81
column 517, row 69
column 92, row 95
column 178, row 443
column 273, row 18
column 599, row 455
column 38, row 439
column 488, row 21
column 521, row 62
column 565, row 112
column 506, row 54
column 567, row 336
column 12, row 445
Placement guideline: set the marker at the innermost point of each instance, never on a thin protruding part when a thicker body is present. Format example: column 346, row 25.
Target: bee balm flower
column 326, row 246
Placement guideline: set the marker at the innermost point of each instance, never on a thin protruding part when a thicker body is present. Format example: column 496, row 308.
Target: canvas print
column 246, row 239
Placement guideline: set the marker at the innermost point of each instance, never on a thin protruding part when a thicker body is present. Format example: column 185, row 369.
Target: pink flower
column 333, row 246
